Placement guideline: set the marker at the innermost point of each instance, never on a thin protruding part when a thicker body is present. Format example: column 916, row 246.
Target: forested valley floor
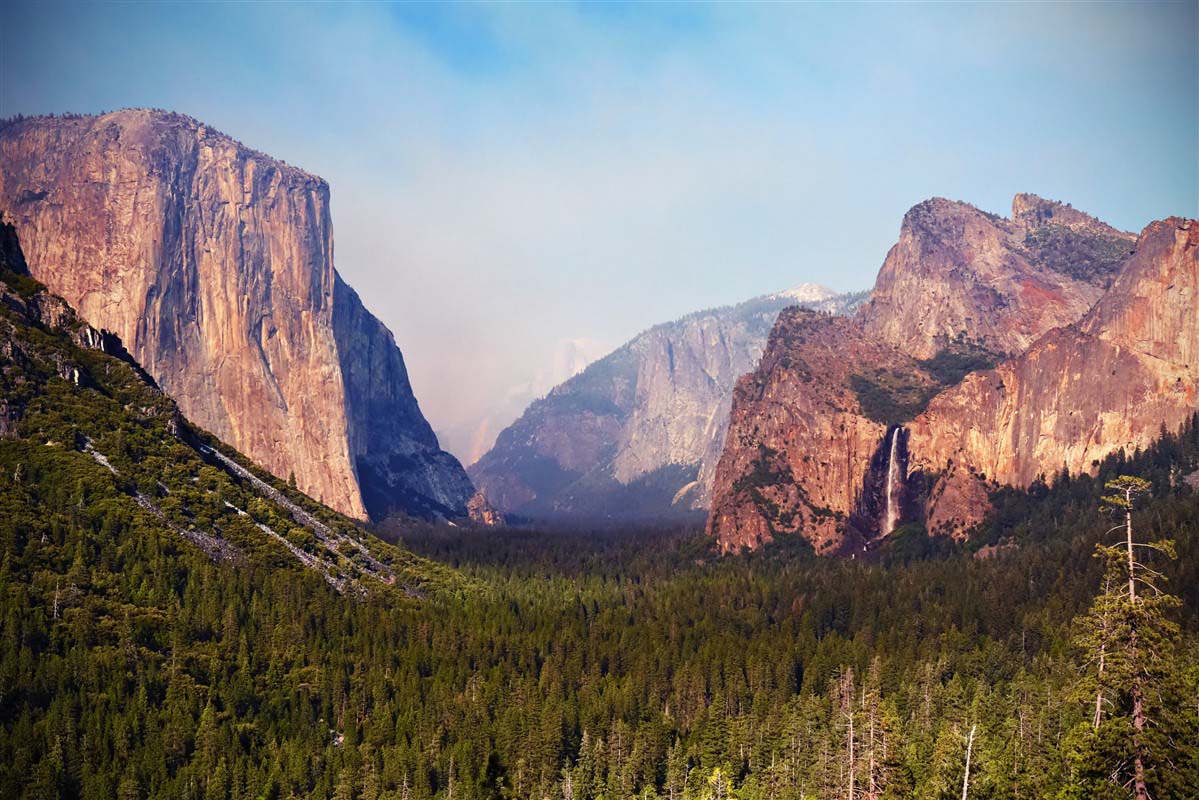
column 580, row 665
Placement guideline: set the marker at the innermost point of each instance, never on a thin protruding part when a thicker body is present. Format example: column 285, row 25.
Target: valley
column 386, row 516
column 179, row 623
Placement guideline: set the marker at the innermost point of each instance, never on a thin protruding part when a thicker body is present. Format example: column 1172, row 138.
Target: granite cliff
column 1111, row 382
column 214, row 263
column 992, row 351
column 799, row 439
column 77, row 410
column 637, row 434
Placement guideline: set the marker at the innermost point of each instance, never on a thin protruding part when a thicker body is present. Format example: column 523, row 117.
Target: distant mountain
column 993, row 351
column 636, row 434
column 214, row 263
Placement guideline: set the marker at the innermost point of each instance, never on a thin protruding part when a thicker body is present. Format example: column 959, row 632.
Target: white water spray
column 892, row 468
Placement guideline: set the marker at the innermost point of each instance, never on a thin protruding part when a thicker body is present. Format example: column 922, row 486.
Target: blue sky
column 508, row 177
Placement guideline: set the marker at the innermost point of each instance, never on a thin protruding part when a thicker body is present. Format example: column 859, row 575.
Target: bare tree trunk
column 1103, row 633
column 1132, row 584
column 1138, row 725
column 872, row 792
column 847, row 700
column 1019, row 754
column 1141, row 791
column 969, row 751
column 849, row 743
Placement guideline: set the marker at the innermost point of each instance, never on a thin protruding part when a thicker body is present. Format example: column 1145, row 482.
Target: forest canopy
column 575, row 665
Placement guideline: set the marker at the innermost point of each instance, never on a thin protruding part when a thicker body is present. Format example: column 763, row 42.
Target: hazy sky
column 509, row 177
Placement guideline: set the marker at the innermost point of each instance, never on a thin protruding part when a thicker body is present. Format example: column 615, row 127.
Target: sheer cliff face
column 1079, row 393
column 1153, row 306
column 214, row 264
column 799, row 444
column 639, row 430
column 399, row 464
column 1002, row 282
column 804, row 455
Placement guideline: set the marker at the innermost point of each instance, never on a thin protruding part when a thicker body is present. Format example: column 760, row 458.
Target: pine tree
column 1130, row 633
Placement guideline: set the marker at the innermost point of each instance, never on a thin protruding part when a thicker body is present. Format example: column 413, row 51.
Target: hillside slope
column 89, row 442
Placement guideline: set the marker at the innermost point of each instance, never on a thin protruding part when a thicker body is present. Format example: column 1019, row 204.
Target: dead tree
column 1128, row 626
column 969, row 752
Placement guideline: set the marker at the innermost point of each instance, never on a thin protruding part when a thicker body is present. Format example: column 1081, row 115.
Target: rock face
column 840, row 435
column 35, row 306
column 214, row 263
column 636, row 435
column 1130, row 366
column 1003, row 283
column 481, row 512
column 799, row 444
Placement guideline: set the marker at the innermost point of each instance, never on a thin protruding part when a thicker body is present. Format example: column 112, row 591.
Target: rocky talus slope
column 637, row 434
column 993, row 351
column 214, row 263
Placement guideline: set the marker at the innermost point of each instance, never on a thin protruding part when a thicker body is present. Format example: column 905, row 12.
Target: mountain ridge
column 957, row 269
column 959, row 265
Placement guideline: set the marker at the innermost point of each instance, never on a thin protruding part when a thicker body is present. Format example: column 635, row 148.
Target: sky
column 510, row 179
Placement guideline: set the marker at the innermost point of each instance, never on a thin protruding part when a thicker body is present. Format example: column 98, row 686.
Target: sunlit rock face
column 214, row 264
column 1094, row 337
column 800, row 446
column 957, row 271
column 481, row 512
column 637, row 434
column 1130, row 366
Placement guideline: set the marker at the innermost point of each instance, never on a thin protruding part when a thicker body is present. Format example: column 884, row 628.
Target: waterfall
column 892, row 467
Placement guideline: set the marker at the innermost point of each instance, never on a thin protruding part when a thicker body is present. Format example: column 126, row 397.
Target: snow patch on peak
column 805, row 293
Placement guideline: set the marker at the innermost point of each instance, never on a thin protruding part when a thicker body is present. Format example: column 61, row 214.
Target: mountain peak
column 1150, row 307
column 154, row 132
column 960, row 271
column 1026, row 203
column 936, row 213
column 1032, row 211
